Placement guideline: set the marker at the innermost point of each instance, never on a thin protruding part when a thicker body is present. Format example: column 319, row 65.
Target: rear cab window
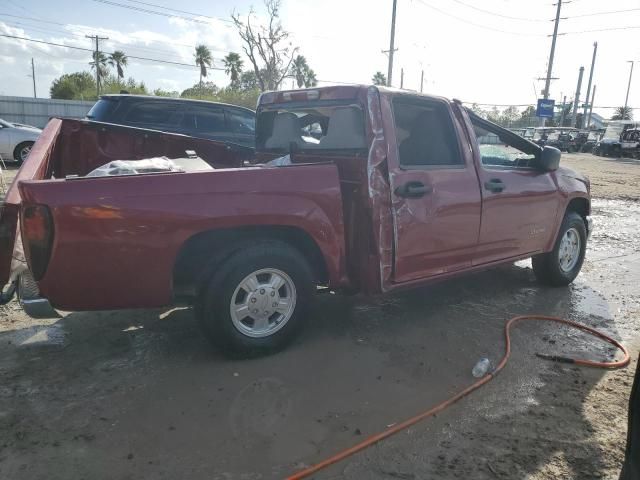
column 425, row 134
column 326, row 127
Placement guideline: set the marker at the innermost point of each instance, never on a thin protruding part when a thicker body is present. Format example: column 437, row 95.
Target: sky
column 488, row 52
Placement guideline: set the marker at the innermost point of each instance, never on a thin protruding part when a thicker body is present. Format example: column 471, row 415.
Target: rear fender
column 117, row 238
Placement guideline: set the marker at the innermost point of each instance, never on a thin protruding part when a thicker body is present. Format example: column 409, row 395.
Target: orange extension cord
column 486, row 379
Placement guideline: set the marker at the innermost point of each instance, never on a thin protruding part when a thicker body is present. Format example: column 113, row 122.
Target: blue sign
column 545, row 108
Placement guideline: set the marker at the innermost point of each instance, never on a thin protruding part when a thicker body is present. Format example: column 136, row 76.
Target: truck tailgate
column 34, row 168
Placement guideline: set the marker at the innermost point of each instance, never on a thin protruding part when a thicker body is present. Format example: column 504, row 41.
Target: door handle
column 494, row 185
column 413, row 190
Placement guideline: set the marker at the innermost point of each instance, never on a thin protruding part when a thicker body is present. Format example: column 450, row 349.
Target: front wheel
column 562, row 265
column 256, row 301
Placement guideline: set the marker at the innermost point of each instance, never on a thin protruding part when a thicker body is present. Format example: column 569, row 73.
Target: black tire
column 17, row 152
column 546, row 266
column 215, row 297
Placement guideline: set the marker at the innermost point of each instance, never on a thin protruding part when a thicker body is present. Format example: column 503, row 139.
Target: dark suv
column 197, row 118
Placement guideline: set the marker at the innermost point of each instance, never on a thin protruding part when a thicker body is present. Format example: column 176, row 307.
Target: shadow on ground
column 142, row 395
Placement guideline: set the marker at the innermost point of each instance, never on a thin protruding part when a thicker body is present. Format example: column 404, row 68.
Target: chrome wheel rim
column 263, row 303
column 569, row 252
column 24, row 152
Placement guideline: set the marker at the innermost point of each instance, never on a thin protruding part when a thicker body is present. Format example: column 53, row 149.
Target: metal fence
column 38, row 111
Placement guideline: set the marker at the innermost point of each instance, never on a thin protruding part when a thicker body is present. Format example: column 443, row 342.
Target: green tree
column 113, row 84
column 249, row 81
column 528, row 112
column 203, row 59
column 509, row 115
column 119, row 60
column 379, row 78
column 304, row 75
column 71, row 85
column 623, row 113
column 159, row 92
column 99, row 64
column 233, row 67
column 201, row 90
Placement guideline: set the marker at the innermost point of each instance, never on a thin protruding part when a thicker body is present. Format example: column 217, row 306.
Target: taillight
column 37, row 235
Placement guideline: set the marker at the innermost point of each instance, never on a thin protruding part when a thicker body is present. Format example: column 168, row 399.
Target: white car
column 16, row 140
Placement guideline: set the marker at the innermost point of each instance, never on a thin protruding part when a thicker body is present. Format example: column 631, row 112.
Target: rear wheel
column 562, row 265
column 256, row 301
column 22, row 151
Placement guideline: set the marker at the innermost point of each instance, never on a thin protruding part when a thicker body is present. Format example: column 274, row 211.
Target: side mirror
column 549, row 159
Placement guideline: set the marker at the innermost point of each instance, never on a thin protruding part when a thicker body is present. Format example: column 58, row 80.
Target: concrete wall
column 37, row 111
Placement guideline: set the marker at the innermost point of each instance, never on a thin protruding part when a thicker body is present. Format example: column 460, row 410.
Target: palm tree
column 118, row 59
column 299, row 69
column 379, row 79
column 233, row 67
column 203, row 59
column 99, row 64
column 303, row 74
column 623, row 113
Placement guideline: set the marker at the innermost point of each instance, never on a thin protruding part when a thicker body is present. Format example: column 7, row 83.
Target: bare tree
column 266, row 47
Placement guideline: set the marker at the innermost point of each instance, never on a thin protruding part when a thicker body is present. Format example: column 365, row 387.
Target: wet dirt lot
column 141, row 395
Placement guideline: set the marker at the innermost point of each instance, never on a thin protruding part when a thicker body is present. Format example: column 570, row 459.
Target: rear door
column 206, row 122
column 435, row 192
column 519, row 203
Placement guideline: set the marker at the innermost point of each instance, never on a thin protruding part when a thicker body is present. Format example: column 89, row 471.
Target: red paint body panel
column 438, row 232
column 117, row 239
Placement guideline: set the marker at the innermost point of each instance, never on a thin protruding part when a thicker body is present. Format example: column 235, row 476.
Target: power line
column 630, row 27
column 153, row 12
column 156, row 60
column 478, row 24
column 93, row 28
column 499, row 14
column 603, row 13
column 31, row 18
column 180, row 11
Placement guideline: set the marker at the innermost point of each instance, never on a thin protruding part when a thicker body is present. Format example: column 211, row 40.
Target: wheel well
column 201, row 253
column 580, row 206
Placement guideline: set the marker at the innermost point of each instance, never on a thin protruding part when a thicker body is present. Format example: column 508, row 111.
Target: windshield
column 336, row 127
column 613, row 131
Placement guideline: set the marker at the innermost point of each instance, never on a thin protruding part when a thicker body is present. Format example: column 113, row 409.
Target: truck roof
column 339, row 92
column 152, row 98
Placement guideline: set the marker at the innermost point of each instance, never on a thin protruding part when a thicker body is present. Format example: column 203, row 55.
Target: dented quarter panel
column 117, row 238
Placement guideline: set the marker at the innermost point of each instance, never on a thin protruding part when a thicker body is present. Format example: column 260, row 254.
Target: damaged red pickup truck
column 356, row 188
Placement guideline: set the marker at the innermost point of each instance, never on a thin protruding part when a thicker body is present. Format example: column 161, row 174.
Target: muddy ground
column 141, row 395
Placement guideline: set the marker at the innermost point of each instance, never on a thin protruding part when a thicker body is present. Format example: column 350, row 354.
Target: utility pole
column 95, row 59
column 593, row 97
column 576, row 99
column 626, row 100
column 593, row 62
column 551, row 55
column 391, row 47
column 402, row 78
column 33, row 76
column 564, row 101
column 421, row 81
